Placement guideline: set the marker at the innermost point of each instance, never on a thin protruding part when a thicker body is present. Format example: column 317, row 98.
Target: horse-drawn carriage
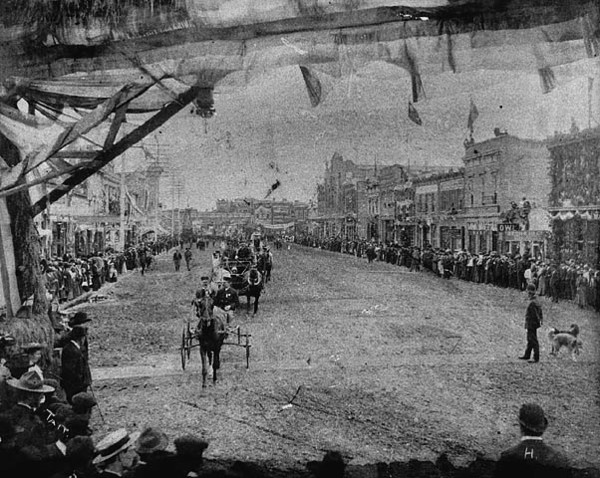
column 209, row 335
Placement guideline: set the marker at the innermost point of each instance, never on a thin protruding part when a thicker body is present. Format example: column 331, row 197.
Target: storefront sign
column 527, row 236
column 508, row 227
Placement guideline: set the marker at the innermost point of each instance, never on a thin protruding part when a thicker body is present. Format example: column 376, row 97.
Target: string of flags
column 413, row 114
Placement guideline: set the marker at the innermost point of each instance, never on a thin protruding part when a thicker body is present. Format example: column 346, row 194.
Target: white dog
column 566, row 338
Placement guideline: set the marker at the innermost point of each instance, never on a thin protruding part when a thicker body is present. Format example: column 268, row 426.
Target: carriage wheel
column 184, row 350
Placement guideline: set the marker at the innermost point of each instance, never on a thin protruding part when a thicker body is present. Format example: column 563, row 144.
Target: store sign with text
column 508, row 227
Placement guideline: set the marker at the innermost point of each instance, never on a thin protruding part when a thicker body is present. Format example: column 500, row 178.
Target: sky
column 266, row 130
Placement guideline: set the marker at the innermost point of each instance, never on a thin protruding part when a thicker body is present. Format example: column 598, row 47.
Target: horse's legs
column 216, row 363
column 203, row 357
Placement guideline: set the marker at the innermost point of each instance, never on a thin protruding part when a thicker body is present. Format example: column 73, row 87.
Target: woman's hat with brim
column 531, row 416
column 113, row 444
column 30, row 382
column 32, row 347
column 151, row 440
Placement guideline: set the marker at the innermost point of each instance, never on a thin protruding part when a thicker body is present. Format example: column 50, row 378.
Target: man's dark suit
column 75, row 373
column 532, row 458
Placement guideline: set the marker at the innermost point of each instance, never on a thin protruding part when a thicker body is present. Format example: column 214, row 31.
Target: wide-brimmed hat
column 113, row 444
column 32, row 347
column 79, row 318
column 30, row 382
column 151, row 440
column 532, row 417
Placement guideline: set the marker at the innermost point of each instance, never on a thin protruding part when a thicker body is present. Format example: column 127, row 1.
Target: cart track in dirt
column 391, row 365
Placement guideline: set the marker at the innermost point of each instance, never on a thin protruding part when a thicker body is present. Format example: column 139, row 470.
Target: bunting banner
column 313, row 86
column 473, row 115
column 413, row 114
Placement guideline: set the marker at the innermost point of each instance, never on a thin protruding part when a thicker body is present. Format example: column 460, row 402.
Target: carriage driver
column 227, row 298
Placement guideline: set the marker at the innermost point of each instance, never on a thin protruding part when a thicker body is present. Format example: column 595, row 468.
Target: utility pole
column 122, row 205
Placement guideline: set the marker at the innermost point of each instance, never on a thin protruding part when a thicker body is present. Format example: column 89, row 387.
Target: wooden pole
column 106, row 156
column 10, row 290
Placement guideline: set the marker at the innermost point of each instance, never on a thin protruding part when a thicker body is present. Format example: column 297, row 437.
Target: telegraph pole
column 122, row 205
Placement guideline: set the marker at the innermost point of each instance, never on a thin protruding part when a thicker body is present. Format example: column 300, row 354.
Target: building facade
column 506, row 192
column 575, row 195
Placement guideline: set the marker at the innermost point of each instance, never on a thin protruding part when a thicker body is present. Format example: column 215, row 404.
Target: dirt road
column 383, row 365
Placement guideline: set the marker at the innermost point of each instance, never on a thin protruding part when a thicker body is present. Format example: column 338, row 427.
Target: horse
column 252, row 287
column 211, row 334
column 264, row 265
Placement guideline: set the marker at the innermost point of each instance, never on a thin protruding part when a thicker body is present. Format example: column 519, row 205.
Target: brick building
column 506, row 195
column 575, row 195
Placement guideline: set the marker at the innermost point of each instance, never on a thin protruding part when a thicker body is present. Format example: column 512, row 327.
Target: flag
column 313, row 86
column 473, row 114
column 413, row 114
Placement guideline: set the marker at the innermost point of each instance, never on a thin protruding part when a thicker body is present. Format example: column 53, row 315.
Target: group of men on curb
column 569, row 280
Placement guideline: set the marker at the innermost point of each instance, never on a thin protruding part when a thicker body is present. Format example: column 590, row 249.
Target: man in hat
column 332, row 466
column 227, row 298
column 531, row 456
column 75, row 372
column 533, row 321
column 189, row 456
column 156, row 461
column 177, row 259
column 116, row 455
column 188, row 258
column 31, row 436
column 34, row 357
column 80, row 318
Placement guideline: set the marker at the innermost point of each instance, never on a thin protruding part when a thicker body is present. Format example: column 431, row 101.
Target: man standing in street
column 188, row 258
column 75, row 372
column 177, row 259
column 532, row 457
column 533, row 321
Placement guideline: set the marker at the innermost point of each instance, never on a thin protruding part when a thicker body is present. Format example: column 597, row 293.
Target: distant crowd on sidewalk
column 569, row 280
column 68, row 277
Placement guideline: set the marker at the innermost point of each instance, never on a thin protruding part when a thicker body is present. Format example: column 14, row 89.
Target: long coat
column 75, row 372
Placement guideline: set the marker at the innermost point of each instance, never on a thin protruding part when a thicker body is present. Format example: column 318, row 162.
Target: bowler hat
column 532, row 417
column 531, row 288
column 30, row 382
column 151, row 440
column 83, row 401
column 204, row 278
column 79, row 318
column 189, row 445
column 113, row 444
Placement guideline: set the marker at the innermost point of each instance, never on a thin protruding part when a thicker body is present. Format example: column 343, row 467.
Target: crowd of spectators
column 559, row 281
column 68, row 277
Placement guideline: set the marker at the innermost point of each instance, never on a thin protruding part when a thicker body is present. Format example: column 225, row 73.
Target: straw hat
column 113, row 444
